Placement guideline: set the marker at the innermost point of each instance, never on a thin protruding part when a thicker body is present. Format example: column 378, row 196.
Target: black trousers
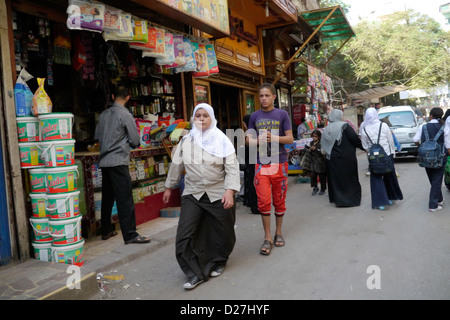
column 116, row 186
column 205, row 235
column 322, row 179
column 435, row 176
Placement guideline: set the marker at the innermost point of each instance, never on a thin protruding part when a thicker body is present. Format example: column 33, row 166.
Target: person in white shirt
column 384, row 188
column 205, row 235
column 435, row 175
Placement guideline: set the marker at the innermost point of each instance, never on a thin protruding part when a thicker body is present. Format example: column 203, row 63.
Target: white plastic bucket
column 62, row 179
column 28, row 129
column 31, row 155
column 69, row 254
column 42, row 250
column 56, row 126
column 38, row 183
column 38, row 205
column 63, row 205
column 65, row 231
column 58, row 153
column 40, row 228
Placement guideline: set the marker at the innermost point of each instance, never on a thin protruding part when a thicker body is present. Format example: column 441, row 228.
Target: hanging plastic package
column 111, row 21
column 178, row 47
column 84, row 15
column 126, row 30
column 160, row 47
column 212, row 60
column 149, row 45
column 23, row 96
column 170, row 53
column 41, row 101
column 202, row 62
column 191, row 64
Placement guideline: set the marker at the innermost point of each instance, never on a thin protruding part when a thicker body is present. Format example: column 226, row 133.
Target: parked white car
column 404, row 124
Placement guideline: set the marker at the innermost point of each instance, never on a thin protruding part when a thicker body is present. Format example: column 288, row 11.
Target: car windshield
column 398, row 119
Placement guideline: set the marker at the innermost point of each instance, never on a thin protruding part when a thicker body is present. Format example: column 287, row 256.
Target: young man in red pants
column 270, row 129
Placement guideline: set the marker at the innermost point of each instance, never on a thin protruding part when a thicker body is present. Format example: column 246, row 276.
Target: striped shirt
column 116, row 133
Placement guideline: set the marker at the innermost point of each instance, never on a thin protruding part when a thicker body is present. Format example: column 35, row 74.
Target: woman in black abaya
column 339, row 142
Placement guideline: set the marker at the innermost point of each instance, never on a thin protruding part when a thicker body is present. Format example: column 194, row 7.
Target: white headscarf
column 371, row 117
column 212, row 140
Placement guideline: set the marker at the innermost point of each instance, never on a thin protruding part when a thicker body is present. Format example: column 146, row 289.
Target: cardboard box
column 170, row 212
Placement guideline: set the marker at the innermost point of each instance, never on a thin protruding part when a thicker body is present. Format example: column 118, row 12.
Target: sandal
column 266, row 247
column 278, row 239
column 138, row 239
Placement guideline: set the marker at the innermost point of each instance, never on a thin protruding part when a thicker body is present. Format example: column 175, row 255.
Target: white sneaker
column 218, row 270
column 441, row 203
column 436, row 209
column 368, row 173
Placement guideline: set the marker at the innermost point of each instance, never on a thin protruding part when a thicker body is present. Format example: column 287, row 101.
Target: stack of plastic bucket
column 62, row 196
column 31, row 158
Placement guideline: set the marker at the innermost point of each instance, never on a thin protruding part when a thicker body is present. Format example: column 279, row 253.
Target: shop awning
column 330, row 24
column 334, row 26
column 377, row 92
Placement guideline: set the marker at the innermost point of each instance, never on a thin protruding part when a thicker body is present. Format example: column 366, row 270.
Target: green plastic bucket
column 38, row 183
column 42, row 250
column 56, row 126
column 69, row 254
column 65, row 231
column 28, row 129
column 40, row 228
column 63, row 205
column 30, row 155
column 38, row 205
column 58, row 153
column 61, row 179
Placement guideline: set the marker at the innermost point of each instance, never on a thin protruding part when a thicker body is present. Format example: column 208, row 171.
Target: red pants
column 271, row 182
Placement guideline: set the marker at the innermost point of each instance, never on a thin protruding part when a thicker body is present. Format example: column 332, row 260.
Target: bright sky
column 370, row 8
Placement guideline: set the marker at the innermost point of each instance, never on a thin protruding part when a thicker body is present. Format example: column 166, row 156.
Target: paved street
column 330, row 253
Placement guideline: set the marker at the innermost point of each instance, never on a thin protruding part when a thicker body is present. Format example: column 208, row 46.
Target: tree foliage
column 405, row 48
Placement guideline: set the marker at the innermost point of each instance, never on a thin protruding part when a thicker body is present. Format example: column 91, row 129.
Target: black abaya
column 344, row 188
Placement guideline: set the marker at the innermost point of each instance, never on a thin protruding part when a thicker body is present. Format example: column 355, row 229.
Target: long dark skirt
column 385, row 187
column 205, row 235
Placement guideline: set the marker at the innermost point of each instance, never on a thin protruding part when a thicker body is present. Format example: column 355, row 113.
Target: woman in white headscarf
column 384, row 188
column 339, row 143
column 205, row 235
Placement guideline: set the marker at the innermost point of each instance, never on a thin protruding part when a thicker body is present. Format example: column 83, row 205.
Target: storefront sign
column 210, row 16
column 237, row 30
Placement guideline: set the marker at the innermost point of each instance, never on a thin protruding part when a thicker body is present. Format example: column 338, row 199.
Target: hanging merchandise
column 62, row 45
column 140, row 30
column 132, row 70
column 84, row 15
column 190, row 65
column 23, row 97
column 149, row 45
column 89, row 66
column 160, row 49
column 170, row 55
column 41, row 101
column 111, row 20
column 178, row 47
column 79, row 58
column 202, row 62
column 126, row 30
column 212, row 60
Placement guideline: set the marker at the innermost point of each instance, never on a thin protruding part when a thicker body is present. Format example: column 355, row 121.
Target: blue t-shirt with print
column 277, row 122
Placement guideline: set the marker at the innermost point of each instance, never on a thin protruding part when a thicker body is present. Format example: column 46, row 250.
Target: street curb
column 123, row 254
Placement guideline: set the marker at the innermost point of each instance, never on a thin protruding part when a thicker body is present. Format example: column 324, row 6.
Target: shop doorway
column 226, row 103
